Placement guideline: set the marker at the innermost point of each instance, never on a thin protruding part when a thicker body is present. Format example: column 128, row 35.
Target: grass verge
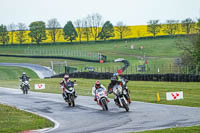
column 193, row 129
column 11, row 73
column 13, row 120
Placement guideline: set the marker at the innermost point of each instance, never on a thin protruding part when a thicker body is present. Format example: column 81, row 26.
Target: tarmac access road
column 41, row 71
column 88, row 117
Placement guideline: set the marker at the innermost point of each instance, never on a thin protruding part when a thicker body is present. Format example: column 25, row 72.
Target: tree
column 79, row 25
column 95, row 22
column 188, row 25
column 107, row 31
column 54, row 29
column 153, row 27
column 37, row 31
column 191, row 49
column 4, row 38
column 21, row 33
column 198, row 25
column 86, row 29
column 122, row 30
column 12, row 28
column 69, row 31
column 171, row 27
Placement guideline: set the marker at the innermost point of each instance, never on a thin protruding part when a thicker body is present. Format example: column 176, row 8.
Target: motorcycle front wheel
column 125, row 105
column 104, row 104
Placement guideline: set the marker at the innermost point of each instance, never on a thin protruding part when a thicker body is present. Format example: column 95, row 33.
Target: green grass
column 10, row 73
column 13, row 120
column 193, row 129
column 152, row 47
column 159, row 53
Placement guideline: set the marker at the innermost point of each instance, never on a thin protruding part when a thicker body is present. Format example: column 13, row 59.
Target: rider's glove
column 110, row 91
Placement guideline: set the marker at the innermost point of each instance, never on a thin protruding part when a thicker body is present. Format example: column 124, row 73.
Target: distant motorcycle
column 102, row 99
column 25, row 86
column 120, row 93
column 70, row 93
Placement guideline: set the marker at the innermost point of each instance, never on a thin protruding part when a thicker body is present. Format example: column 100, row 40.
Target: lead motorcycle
column 70, row 93
column 102, row 99
column 120, row 93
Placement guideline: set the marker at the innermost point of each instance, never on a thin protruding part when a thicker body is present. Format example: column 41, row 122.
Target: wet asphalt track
column 87, row 117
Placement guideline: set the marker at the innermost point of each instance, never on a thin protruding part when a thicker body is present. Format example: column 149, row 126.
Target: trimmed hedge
column 51, row 57
column 136, row 77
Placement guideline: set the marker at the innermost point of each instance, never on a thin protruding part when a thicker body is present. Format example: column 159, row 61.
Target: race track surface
column 87, row 117
column 41, row 71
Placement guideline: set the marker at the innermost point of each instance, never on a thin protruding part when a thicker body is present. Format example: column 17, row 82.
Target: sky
column 131, row 12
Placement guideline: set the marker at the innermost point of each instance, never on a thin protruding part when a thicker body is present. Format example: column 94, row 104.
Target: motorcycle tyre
column 125, row 105
column 104, row 104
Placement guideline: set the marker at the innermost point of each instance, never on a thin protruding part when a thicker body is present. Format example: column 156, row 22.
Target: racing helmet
column 24, row 73
column 98, row 84
column 66, row 77
column 116, row 76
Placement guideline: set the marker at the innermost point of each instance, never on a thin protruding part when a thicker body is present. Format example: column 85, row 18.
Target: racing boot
column 117, row 102
column 65, row 97
column 75, row 94
column 129, row 100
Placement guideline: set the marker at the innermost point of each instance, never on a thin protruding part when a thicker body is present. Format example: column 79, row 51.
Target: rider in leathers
column 63, row 84
column 116, row 79
column 24, row 78
column 95, row 87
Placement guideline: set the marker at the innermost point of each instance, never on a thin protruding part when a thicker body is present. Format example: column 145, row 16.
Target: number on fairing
column 101, row 94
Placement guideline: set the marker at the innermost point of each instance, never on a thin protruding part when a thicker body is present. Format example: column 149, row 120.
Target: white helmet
column 24, row 73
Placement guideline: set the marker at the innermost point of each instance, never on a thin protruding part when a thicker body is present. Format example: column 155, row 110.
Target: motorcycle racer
column 116, row 79
column 96, row 86
column 24, row 78
column 63, row 85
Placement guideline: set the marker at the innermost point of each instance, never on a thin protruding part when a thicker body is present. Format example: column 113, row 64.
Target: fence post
column 178, row 69
column 170, row 67
column 187, row 69
column 131, row 70
column 136, row 68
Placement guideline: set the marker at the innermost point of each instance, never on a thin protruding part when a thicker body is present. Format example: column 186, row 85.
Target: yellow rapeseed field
column 136, row 32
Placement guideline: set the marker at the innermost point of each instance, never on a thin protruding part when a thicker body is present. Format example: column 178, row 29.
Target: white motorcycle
column 70, row 94
column 120, row 93
column 25, row 86
column 102, row 99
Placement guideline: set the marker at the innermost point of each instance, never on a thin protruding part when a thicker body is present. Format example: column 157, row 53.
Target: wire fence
column 63, row 52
